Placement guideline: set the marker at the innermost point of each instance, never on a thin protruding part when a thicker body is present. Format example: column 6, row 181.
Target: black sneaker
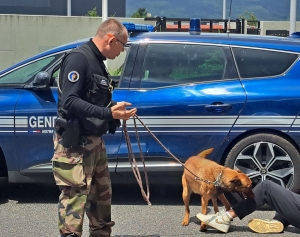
column 70, row 235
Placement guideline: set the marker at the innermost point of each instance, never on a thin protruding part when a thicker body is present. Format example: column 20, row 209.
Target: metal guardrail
column 207, row 25
column 253, row 30
column 282, row 33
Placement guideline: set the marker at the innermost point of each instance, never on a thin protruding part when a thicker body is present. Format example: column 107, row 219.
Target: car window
column 54, row 77
column 26, row 73
column 262, row 63
column 172, row 64
column 115, row 66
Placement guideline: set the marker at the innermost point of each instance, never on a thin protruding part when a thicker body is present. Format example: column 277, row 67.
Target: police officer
column 85, row 113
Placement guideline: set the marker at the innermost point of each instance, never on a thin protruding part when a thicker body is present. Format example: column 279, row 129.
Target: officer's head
column 111, row 38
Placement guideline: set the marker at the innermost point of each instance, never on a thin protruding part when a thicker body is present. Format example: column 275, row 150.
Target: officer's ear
column 110, row 39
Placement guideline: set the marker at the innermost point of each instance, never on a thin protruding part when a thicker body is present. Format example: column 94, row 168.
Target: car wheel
column 266, row 157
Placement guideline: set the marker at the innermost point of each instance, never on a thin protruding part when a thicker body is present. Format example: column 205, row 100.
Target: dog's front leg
column 215, row 203
column 204, row 203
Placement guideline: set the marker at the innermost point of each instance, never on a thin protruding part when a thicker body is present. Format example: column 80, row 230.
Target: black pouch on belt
column 71, row 135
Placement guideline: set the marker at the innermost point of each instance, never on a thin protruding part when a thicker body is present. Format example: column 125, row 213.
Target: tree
column 93, row 12
column 250, row 16
column 140, row 13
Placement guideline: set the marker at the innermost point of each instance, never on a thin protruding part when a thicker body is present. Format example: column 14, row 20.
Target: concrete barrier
column 23, row 36
column 276, row 25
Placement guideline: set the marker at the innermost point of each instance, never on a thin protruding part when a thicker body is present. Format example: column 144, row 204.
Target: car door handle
column 218, row 107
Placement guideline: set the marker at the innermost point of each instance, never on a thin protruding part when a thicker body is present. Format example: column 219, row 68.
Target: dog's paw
column 203, row 227
column 185, row 223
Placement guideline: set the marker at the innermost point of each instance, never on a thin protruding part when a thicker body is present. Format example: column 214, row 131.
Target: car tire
column 266, row 156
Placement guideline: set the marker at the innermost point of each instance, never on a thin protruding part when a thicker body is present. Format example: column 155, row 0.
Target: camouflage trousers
column 84, row 180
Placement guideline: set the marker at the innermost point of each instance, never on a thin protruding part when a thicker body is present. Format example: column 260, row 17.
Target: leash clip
column 217, row 182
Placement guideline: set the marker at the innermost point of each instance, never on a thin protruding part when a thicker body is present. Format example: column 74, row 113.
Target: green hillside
column 273, row 10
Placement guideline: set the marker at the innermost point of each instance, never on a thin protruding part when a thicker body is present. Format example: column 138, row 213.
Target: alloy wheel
column 266, row 161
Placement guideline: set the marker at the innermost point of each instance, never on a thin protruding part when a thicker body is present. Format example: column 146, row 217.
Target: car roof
column 269, row 42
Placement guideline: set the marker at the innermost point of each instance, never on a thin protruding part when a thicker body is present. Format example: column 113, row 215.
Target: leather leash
column 134, row 166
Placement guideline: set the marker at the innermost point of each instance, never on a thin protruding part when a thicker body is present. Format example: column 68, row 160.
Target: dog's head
column 237, row 181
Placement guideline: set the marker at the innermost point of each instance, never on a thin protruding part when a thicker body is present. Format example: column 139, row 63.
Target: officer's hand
column 119, row 111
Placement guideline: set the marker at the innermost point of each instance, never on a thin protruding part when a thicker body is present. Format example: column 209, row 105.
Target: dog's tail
column 205, row 153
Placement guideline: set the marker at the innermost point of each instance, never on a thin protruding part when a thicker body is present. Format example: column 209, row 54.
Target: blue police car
column 238, row 94
column 295, row 35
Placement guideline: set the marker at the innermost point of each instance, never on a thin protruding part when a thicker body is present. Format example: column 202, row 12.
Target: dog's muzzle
column 248, row 193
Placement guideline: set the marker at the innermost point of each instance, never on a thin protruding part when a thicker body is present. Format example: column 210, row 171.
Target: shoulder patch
column 73, row 76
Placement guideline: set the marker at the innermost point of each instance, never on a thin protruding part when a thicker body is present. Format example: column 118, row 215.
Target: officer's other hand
column 123, row 103
column 119, row 111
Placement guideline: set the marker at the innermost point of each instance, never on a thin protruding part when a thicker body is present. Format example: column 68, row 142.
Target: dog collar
column 217, row 181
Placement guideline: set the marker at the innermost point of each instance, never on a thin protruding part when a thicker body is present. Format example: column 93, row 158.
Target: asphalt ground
column 31, row 211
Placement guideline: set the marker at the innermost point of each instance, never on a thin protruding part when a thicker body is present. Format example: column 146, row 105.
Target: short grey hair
column 111, row 26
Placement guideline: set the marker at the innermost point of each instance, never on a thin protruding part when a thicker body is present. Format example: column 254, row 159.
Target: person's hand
column 119, row 111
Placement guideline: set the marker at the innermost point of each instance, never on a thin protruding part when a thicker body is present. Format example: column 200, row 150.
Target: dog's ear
column 237, row 182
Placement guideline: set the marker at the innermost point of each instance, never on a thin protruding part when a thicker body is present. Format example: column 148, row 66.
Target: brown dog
column 229, row 180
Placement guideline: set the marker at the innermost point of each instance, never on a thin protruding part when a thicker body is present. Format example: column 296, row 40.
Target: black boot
column 70, row 235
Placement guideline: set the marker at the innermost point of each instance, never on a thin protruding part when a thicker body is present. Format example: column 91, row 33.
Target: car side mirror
column 41, row 80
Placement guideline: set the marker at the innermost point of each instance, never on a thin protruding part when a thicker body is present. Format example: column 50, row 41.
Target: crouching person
column 283, row 201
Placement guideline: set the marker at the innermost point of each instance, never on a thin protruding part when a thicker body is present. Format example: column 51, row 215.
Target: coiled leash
column 135, row 169
column 133, row 164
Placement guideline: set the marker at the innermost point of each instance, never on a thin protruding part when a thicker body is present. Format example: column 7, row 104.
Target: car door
column 8, row 98
column 188, row 95
column 35, row 113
